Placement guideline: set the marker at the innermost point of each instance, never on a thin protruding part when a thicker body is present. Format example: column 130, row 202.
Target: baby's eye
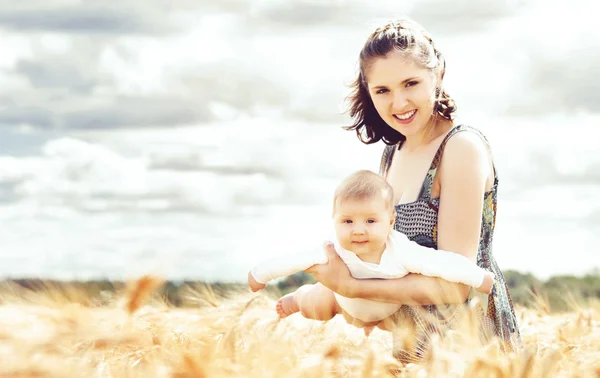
column 371, row 221
column 411, row 83
column 347, row 221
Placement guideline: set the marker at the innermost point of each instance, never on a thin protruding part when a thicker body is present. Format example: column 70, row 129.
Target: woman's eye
column 411, row 83
column 381, row 91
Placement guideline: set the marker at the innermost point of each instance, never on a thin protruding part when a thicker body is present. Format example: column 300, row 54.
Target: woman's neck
column 431, row 131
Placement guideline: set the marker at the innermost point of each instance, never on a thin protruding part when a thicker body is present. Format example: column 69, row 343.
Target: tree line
column 558, row 293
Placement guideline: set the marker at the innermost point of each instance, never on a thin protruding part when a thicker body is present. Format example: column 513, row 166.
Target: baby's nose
column 359, row 230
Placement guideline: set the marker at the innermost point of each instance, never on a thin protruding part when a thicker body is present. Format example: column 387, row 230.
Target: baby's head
column 363, row 213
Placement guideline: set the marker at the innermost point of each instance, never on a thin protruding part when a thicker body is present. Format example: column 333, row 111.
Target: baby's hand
column 488, row 283
column 254, row 284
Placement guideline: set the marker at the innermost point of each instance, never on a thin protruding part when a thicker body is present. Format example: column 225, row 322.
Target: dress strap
column 425, row 193
column 386, row 160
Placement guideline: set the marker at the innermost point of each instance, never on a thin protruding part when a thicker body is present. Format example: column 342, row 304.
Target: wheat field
column 58, row 333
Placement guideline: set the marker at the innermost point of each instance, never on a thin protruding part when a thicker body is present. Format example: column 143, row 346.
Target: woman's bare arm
column 412, row 289
column 463, row 178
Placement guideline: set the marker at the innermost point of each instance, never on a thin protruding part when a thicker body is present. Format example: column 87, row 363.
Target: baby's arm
column 450, row 266
column 281, row 266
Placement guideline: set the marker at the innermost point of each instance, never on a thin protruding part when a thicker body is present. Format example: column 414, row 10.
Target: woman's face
column 402, row 91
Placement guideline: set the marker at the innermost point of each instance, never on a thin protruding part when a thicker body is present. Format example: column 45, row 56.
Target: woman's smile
column 405, row 118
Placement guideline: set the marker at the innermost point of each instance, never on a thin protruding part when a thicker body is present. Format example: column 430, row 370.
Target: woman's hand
column 334, row 274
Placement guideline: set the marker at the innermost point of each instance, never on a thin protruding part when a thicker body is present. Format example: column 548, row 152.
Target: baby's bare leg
column 313, row 301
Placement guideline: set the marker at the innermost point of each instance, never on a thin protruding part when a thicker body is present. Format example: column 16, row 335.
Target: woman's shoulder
column 465, row 153
column 465, row 143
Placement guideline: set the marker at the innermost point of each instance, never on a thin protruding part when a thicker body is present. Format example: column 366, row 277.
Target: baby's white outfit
column 400, row 257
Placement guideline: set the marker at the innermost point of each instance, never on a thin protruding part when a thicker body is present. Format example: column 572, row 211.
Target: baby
column 363, row 216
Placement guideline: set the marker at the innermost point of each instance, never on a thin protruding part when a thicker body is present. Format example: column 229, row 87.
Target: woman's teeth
column 405, row 115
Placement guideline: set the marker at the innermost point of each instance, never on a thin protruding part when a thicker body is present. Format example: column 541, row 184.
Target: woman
column 443, row 178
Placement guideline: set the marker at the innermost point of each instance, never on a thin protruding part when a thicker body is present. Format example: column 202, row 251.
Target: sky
column 148, row 131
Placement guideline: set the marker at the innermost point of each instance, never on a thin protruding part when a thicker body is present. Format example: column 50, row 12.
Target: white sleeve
column 432, row 262
column 281, row 266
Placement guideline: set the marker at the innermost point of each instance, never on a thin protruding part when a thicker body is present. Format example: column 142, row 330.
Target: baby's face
column 362, row 226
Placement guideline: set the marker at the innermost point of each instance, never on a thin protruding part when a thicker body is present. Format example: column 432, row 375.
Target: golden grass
column 65, row 334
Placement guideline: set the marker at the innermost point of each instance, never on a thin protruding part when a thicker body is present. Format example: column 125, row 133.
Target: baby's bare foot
column 488, row 283
column 286, row 306
column 254, row 284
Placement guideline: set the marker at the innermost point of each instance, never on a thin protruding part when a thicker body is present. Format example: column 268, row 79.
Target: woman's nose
column 399, row 102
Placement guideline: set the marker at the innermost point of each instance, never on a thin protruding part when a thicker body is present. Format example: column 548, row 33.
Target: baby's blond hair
column 362, row 185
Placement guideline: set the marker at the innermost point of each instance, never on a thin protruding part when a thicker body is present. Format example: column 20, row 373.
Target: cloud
column 239, row 85
column 101, row 18
column 66, row 97
column 58, row 73
column 122, row 111
column 461, row 16
column 109, row 78
column 306, row 13
column 83, row 176
column 74, row 112
column 13, row 115
column 568, row 84
column 89, row 18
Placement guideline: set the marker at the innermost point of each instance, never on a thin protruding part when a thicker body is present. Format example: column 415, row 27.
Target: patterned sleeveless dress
column 418, row 221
